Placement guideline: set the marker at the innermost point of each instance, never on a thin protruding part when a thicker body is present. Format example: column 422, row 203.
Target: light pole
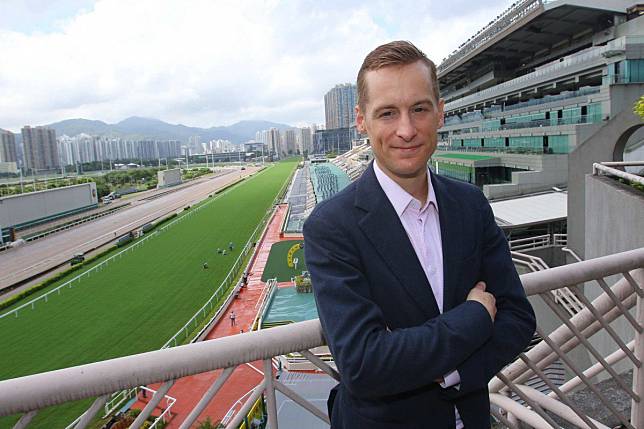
column 22, row 188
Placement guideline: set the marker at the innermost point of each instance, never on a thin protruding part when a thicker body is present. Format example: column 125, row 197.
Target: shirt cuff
column 452, row 379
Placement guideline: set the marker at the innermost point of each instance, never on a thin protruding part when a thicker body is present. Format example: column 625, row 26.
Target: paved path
column 39, row 256
column 189, row 390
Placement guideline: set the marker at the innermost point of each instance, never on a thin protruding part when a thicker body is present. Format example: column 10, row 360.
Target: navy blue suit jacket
column 380, row 318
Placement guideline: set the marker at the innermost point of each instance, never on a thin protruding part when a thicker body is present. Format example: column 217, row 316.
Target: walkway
column 189, row 390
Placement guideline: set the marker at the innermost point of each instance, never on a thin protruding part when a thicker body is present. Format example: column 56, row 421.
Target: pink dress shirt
column 423, row 229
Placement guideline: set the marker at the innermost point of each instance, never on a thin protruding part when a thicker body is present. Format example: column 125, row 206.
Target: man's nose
column 406, row 129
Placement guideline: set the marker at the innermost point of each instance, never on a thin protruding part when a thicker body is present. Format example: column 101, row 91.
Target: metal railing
column 105, row 263
column 509, row 17
column 562, row 296
column 32, row 393
column 536, row 123
column 607, row 168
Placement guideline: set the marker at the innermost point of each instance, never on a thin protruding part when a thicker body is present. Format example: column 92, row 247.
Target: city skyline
column 111, row 59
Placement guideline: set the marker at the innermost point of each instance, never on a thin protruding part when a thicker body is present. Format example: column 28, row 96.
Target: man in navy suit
column 417, row 294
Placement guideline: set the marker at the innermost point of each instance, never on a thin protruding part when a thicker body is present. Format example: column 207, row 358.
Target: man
column 415, row 287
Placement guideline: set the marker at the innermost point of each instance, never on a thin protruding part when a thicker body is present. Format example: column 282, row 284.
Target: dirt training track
column 22, row 263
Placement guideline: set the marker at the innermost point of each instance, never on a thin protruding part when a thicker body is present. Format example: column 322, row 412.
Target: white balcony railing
column 31, row 393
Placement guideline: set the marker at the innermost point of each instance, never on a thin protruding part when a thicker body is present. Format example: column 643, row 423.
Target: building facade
column 41, row 150
column 84, row 148
column 305, row 140
column 337, row 140
column 339, row 106
column 288, row 142
column 7, row 146
column 512, row 126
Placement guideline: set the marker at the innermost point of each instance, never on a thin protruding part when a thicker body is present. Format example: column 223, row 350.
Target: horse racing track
column 138, row 299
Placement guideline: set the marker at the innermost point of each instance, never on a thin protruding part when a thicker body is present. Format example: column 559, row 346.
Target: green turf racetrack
column 277, row 266
column 139, row 300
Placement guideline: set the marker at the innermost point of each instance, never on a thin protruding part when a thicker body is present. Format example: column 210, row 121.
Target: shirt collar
column 400, row 198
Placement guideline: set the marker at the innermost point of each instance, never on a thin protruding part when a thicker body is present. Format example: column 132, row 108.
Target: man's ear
column 360, row 126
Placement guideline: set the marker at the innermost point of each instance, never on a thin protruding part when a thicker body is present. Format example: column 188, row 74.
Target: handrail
column 84, row 381
column 52, row 388
column 607, row 168
column 581, row 272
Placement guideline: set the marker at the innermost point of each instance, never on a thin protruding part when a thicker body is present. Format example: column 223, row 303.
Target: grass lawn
column 142, row 298
column 277, row 266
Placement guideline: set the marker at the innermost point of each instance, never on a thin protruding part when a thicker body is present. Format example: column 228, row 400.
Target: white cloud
column 208, row 62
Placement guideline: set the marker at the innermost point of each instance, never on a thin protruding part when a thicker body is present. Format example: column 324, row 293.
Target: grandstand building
column 532, row 88
column 337, row 140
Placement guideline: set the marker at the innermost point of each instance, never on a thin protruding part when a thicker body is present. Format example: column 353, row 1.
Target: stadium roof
column 529, row 34
column 531, row 210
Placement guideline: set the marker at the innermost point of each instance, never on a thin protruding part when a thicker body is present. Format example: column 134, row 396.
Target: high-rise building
column 7, row 146
column 304, row 140
column 288, row 142
column 274, row 141
column 339, row 106
column 41, row 151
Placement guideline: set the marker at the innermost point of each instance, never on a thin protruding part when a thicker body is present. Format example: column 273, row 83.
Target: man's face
column 401, row 117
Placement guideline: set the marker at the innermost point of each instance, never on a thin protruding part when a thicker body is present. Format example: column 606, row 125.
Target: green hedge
column 230, row 185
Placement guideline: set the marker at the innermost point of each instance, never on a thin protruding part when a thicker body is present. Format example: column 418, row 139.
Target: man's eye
column 419, row 109
column 386, row 114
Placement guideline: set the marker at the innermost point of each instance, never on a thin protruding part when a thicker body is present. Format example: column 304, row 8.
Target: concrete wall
column 19, row 209
column 614, row 217
column 168, row 177
column 552, row 170
column 614, row 223
column 600, row 146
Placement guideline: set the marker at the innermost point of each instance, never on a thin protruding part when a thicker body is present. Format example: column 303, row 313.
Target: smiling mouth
column 407, row 148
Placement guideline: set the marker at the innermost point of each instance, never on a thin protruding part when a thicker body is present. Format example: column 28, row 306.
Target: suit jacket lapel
column 450, row 214
column 384, row 230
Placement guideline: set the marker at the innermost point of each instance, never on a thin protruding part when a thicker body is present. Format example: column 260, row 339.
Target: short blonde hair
column 397, row 53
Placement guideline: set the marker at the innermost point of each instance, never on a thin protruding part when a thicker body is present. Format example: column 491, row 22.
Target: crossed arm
column 376, row 362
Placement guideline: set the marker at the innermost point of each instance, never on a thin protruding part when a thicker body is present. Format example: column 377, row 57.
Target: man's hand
column 479, row 294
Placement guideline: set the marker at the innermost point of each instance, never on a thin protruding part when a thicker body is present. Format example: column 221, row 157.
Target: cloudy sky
column 205, row 62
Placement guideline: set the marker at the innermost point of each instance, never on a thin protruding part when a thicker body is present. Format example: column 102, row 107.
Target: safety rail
column 591, row 57
column 563, row 296
column 607, row 168
column 538, row 242
column 577, row 334
column 263, row 302
column 509, row 17
column 67, row 225
column 181, row 336
column 537, row 123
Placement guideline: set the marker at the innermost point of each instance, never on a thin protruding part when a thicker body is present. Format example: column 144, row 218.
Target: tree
column 638, row 109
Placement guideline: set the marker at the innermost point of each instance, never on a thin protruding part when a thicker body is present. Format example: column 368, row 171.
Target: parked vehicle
column 124, row 239
column 77, row 259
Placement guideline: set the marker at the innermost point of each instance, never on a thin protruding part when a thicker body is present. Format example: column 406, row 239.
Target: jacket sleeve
column 372, row 360
column 514, row 324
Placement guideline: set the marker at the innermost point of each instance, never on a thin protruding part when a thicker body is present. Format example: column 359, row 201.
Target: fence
column 222, row 292
column 71, row 224
column 538, row 242
column 103, row 264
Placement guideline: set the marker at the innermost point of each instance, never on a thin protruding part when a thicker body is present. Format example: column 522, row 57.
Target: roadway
column 34, row 258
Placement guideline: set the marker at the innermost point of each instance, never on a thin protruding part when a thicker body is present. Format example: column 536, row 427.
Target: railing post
column 637, row 408
column 271, row 403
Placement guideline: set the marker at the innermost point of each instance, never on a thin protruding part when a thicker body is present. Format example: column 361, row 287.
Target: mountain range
column 137, row 128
